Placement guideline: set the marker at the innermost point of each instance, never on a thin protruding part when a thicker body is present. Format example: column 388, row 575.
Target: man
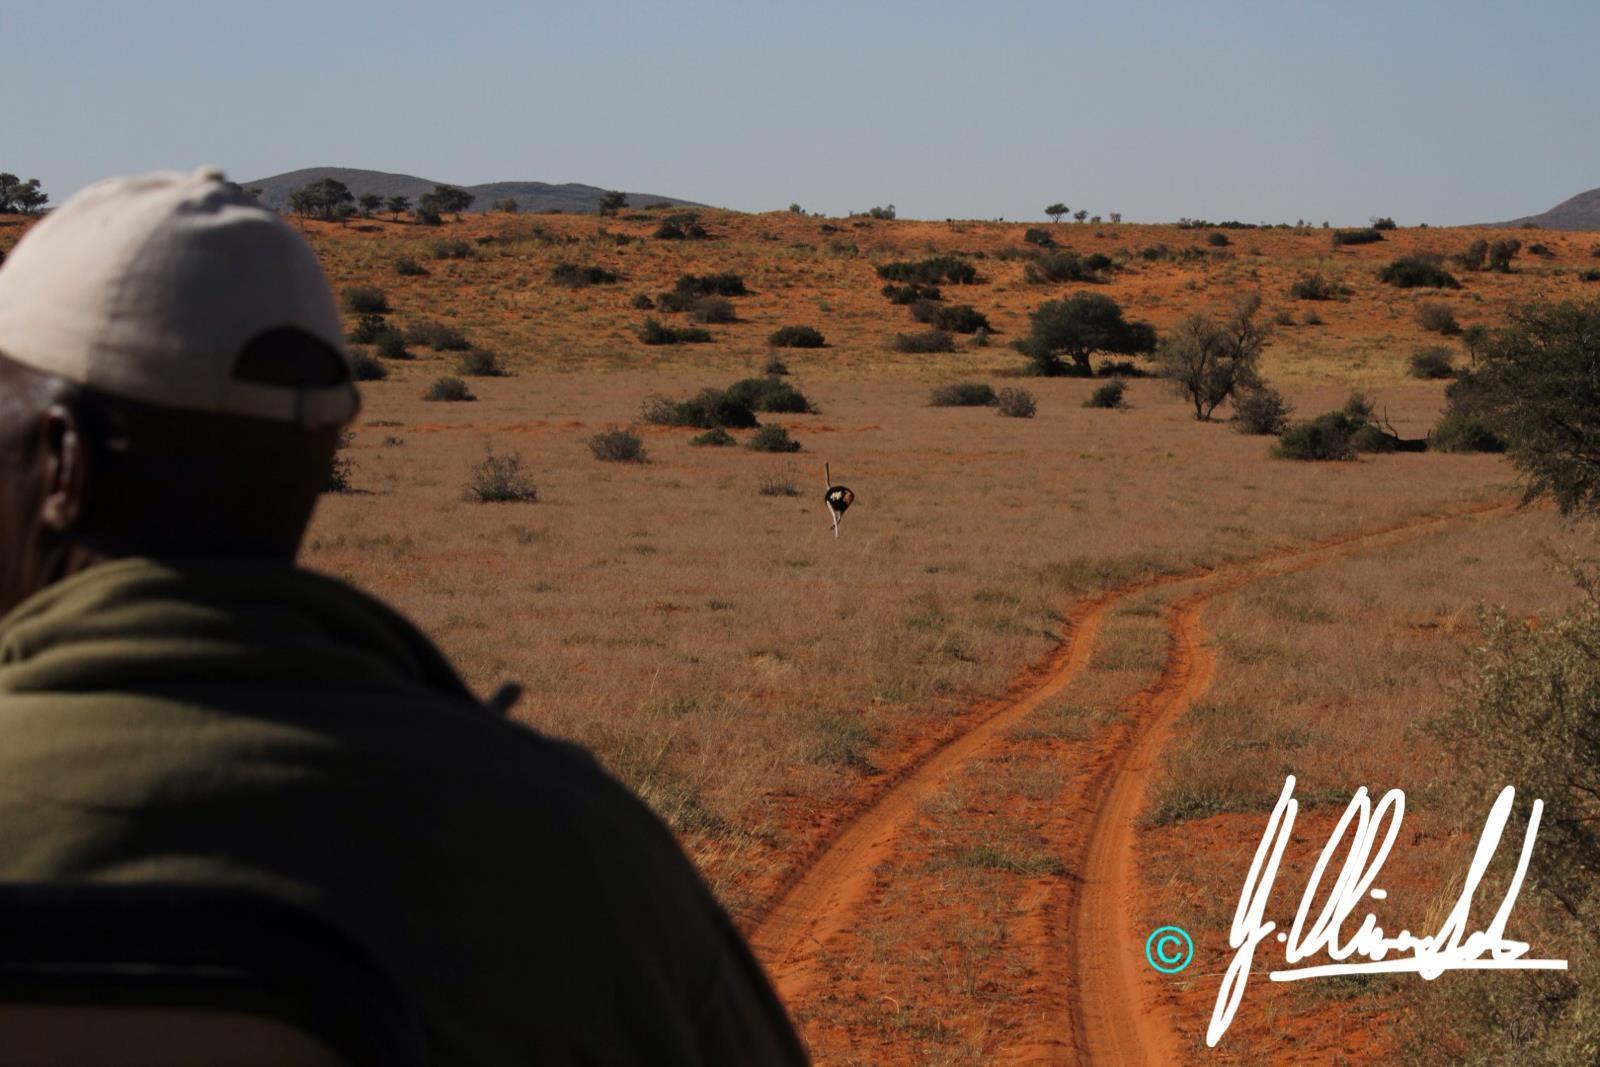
column 180, row 703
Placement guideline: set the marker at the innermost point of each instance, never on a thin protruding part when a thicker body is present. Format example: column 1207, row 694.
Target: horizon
column 1265, row 113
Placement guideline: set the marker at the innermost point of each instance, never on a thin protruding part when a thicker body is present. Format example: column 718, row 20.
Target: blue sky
column 1428, row 112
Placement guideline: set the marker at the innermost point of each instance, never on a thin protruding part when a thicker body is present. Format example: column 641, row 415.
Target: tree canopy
column 323, row 198
column 1077, row 328
column 21, row 197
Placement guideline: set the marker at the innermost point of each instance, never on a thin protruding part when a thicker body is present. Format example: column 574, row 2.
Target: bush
column 924, row 342
column 1311, row 318
column 1260, row 409
column 1501, row 253
column 365, row 300
column 1078, row 327
column 456, row 248
column 1384, row 223
column 500, row 479
column 617, row 445
column 1464, row 433
column 1589, row 276
column 1015, row 403
column 391, row 344
column 1368, row 438
column 447, row 388
column 956, row 318
column 1438, row 318
column 1207, row 361
column 1418, row 270
column 796, row 337
column 407, row 267
column 481, row 363
column 778, row 483
column 716, row 437
column 1108, row 395
column 774, row 367
column 773, row 438
column 1358, row 408
column 1474, row 256
column 575, row 277
column 1435, row 361
column 1316, row 287
column 933, row 271
column 712, row 285
column 1035, row 236
column 1325, row 438
column 1366, row 236
column 708, row 409
column 1218, row 240
column 962, row 395
column 642, row 302
column 368, row 328
column 1067, row 267
column 911, row 293
column 366, row 367
column 653, row 333
column 769, row 394
column 438, row 336
column 712, row 309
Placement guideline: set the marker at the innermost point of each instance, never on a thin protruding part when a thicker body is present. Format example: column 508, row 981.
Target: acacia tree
column 1056, row 210
column 369, row 202
column 323, row 198
column 449, row 200
column 612, row 202
column 1080, row 214
column 1538, row 387
column 397, row 206
column 1209, row 361
column 1077, row 328
column 21, row 197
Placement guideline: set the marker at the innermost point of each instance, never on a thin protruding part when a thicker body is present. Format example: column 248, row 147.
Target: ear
column 65, row 469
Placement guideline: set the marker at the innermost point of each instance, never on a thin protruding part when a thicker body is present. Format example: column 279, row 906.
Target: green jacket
column 250, row 724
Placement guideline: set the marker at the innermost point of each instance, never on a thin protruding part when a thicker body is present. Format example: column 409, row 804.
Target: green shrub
column 924, row 342
column 368, row 328
column 773, row 438
column 365, row 300
column 1464, row 433
column 1369, row 438
column 911, row 292
column 366, row 367
column 481, row 363
column 1589, row 276
column 1067, row 267
column 1435, row 361
column 769, row 394
column 1036, row 236
column 1474, row 256
column 617, row 445
column 956, row 318
column 407, row 267
column 1384, row 223
column 391, row 344
column 1324, row 438
column 1366, row 236
column 642, row 302
column 438, row 336
column 1079, row 327
column 708, row 409
column 1419, row 270
column 1438, row 318
column 654, row 333
column 500, row 479
column 1218, row 240
column 796, row 337
column 447, row 388
column 932, row 271
column 1260, row 409
column 452, row 249
column 716, row 437
column 774, row 367
column 1015, row 403
column 712, row 309
column 1108, row 395
column 1358, row 408
column 712, row 285
column 577, row 277
column 962, row 395
column 1313, row 286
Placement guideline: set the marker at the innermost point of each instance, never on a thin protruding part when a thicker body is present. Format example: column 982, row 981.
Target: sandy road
column 1108, row 1009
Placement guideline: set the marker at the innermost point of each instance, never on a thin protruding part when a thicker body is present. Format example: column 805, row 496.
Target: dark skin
column 86, row 478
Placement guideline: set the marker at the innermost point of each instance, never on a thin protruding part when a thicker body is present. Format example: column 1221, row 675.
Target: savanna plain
column 947, row 768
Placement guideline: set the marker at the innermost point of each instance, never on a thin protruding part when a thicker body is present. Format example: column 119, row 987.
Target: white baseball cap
column 149, row 287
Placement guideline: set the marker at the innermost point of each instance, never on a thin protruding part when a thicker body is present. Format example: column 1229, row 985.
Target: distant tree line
column 18, row 197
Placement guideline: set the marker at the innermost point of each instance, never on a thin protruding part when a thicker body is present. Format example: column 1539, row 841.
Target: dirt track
column 1104, row 992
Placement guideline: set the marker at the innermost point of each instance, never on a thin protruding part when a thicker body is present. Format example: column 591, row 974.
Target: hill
column 530, row 196
column 1582, row 212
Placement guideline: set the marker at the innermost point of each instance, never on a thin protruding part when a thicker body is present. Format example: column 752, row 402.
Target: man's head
column 172, row 381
